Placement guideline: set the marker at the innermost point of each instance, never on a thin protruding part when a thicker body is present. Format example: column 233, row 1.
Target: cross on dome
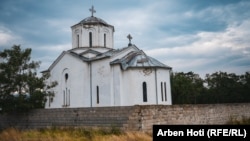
column 92, row 10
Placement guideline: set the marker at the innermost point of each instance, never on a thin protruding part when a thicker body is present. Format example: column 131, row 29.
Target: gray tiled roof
column 138, row 59
column 94, row 21
column 90, row 20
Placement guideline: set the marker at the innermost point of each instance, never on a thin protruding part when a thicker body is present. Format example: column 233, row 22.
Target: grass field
column 83, row 134
column 71, row 134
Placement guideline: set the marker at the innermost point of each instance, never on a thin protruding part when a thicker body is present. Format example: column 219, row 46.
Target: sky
column 202, row 36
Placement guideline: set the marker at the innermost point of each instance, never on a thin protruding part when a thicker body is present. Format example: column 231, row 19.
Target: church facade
column 94, row 74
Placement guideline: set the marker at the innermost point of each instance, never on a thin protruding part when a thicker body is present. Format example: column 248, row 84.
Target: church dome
column 93, row 20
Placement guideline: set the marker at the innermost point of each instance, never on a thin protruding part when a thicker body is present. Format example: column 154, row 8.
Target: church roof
column 137, row 59
column 92, row 20
column 133, row 59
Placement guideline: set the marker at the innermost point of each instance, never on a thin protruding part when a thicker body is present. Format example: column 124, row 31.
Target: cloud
column 200, row 36
column 47, row 54
column 150, row 22
column 204, row 37
column 221, row 50
column 234, row 38
column 7, row 37
column 4, row 38
column 61, row 26
column 54, row 48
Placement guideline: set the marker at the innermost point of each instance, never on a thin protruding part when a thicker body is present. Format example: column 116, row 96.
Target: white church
column 95, row 74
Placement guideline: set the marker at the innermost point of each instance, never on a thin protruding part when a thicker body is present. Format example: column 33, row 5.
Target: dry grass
column 242, row 121
column 13, row 134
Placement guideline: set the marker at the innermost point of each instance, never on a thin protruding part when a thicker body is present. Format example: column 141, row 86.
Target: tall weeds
column 72, row 134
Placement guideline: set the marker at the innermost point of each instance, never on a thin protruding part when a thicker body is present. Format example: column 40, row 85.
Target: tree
column 218, row 87
column 226, row 87
column 245, row 80
column 20, row 87
column 186, row 87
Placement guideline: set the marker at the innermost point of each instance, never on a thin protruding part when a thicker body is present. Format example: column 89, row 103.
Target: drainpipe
column 90, row 83
column 156, row 86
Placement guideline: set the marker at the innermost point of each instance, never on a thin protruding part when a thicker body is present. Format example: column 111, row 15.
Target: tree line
column 218, row 87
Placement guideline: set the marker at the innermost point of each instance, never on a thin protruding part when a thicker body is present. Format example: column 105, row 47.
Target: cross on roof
column 92, row 10
column 129, row 38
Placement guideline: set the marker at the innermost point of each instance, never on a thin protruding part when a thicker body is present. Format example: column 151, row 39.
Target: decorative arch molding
column 91, row 37
column 91, row 29
column 105, row 30
column 77, row 31
column 106, row 37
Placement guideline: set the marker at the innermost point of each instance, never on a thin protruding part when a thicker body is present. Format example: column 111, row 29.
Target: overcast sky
column 203, row 36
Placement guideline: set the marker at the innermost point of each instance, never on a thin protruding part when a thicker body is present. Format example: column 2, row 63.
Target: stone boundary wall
column 136, row 118
column 200, row 114
column 68, row 117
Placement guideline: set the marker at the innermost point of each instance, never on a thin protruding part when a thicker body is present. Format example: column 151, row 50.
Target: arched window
column 90, row 39
column 65, row 82
column 144, row 91
column 66, row 76
column 97, row 94
column 104, row 40
column 165, row 90
column 162, row 91
column 66, row 97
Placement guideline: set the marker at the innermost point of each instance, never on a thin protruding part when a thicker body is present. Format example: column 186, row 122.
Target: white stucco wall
column 132, row 87
column 101, row 77
column 117, row 92
column 163, row 76
column 77, row 82
column 132, row 91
